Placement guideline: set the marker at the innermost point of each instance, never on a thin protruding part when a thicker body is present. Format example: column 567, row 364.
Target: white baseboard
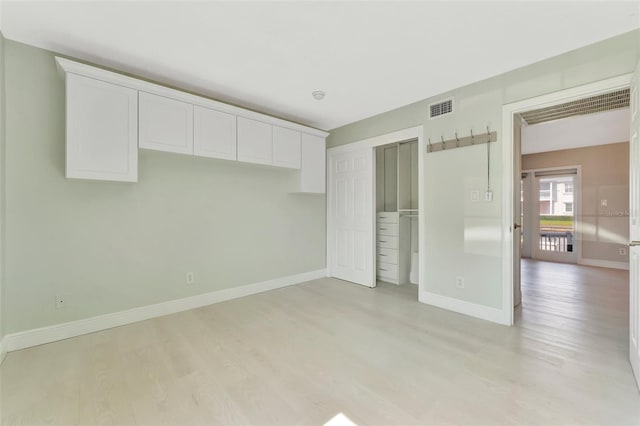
column 604, row 263
column 39, row 336
column 463, row 307
column 3, row 350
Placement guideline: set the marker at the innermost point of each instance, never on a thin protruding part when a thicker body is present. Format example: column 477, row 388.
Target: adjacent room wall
column 107, row 246
column 605, row 176
column 464, row 237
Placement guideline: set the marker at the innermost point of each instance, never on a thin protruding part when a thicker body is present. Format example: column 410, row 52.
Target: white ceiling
column 601, row 128
column 369, row 57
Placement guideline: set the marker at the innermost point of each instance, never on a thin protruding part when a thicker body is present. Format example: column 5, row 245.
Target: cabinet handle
column 382, row 269
column 380, row 254
column 383, row 241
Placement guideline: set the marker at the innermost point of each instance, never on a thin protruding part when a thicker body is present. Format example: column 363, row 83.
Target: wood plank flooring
column 303, row 354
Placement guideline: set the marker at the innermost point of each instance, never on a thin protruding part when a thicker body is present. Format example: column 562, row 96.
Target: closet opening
column 396, row 204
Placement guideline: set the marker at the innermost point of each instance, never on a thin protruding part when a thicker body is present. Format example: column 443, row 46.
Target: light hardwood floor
column 303, row 354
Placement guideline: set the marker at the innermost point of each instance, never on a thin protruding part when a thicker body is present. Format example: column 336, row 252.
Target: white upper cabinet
column 214, row 133
column 313, row 170
column 165, row 124
column 102, row 125
column 286, row 147
column 254, row 141
column 110, row 116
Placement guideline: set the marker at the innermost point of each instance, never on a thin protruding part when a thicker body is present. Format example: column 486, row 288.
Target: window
column 568, row 207
column 568, row 188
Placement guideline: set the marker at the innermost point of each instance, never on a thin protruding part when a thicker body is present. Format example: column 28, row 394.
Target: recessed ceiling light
column 318, row 95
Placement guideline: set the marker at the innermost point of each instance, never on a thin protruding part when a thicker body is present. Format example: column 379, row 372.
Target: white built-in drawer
column 388, row 255
column 388, row 217
column 387, row 229
column 386, row 241
column 387, row 270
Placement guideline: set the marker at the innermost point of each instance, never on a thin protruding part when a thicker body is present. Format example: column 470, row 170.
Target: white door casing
column 508, row 114
column 517, row 223
column 351, row 213
column 634, row 228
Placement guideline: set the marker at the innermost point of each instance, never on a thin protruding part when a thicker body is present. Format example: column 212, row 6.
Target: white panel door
column 351, row 228
column 214, row 133
column 634, row 225
column 255, row 143
column 313, row 173
column 102, row 127
column 165, row 124
column 286, row 147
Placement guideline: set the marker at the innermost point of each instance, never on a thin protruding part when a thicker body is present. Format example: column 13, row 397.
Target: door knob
column 516, row 226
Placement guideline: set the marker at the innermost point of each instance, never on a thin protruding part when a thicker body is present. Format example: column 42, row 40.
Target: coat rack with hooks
column 456, row 142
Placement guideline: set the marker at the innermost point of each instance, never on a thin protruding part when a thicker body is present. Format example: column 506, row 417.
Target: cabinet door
column 254, row 141
column 165, row 124
column 214, row 133
column 313, row 170
column 102, row 123
column 286, row 147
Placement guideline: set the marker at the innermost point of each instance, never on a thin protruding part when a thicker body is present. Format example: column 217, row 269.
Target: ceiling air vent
column 439, row 109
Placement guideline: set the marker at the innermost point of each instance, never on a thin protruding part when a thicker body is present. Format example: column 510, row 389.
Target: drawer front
column 387, row 255
column 388, row 217
column 386, row 241
column 387, row 228
column 387, row 270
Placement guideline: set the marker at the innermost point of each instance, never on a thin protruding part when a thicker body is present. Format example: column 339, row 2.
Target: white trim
column 462, row 307
column 3, row 349
column 410, row 133
column 68, row 66
column 39, row 336
column 508, row 110
column 604, row 263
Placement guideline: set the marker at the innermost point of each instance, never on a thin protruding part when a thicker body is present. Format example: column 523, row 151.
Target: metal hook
column 444, row 145
column 457, row 140
column 472, row 140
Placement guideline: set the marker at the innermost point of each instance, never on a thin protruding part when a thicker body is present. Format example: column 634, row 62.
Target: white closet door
column 351, row 216
column 214, row 133
column 165, row 124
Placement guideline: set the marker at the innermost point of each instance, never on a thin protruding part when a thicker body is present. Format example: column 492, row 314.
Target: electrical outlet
column 622, row 251
column 475, row 195
column 191, row 278
column 59, row 302
column 488, row 195
column 460, row 282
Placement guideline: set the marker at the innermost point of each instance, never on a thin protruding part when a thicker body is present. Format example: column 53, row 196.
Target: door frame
column 508, row 160
column 577, row 213
column 410, row 133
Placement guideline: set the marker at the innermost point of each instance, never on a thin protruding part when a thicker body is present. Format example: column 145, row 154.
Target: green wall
column 107, row 246
column 464, row 238
column 2, row 206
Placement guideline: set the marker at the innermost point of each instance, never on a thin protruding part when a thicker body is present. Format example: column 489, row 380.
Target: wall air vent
column 439, row 109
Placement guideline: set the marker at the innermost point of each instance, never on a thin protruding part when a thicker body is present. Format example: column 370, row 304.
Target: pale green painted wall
column 2, row 169
column 113, row 246
column 464, row 238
